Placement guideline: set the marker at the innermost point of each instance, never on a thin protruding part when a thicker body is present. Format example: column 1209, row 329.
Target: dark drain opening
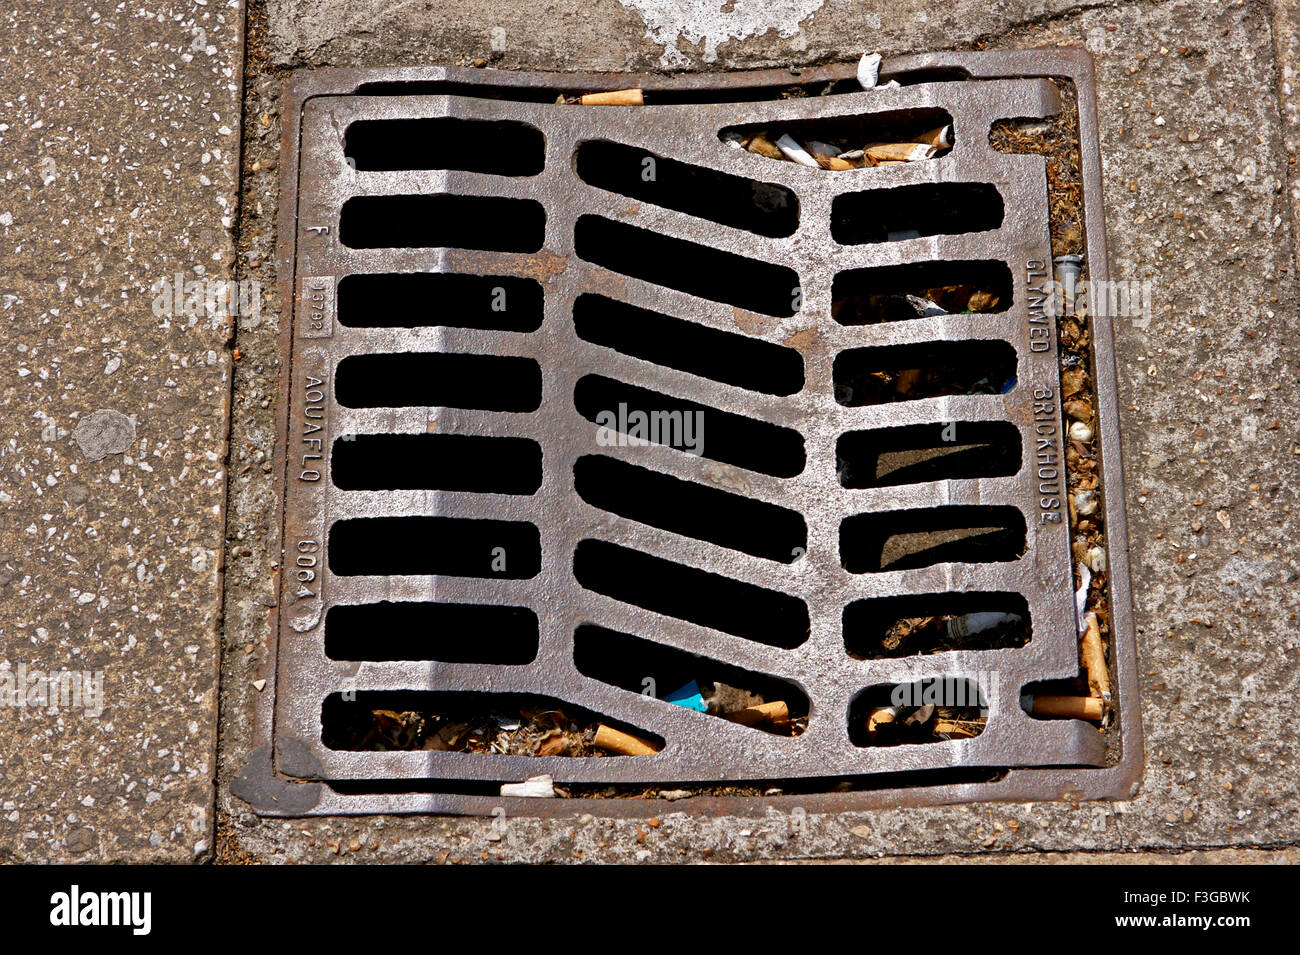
column 450, row 546
column 873, row 376
column 906, row 540
column 485, row 724
column 948, row 451
column 439, row 379
column 448, row 633
column 892, row 627
column 910, row 212
column 693, row 510
column 895, row 293
column 436, row 462
column 699, row 270
column 699, row 597
column 688, row 346
column 852, row 132
column 427, row 299
column 498, row 147
column 644, row 667
column 642, row 416
column 734, row 201
column 428, row 221
column 936, row 710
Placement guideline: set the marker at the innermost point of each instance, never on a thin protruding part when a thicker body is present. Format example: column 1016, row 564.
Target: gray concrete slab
column 119, row 146
column 1196, row 203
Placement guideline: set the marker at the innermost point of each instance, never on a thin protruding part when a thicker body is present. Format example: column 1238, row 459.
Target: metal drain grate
column 486, row 294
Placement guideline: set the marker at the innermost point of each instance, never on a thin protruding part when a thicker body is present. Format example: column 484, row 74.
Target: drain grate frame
column 1016, row 758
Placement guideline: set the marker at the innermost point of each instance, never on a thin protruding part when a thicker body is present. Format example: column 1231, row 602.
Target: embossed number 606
column 306, row 560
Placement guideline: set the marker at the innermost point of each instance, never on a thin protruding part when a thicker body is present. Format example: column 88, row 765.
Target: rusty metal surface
column 1032, row 758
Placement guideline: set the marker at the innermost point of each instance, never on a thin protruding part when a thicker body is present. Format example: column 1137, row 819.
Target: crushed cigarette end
column 616, row 741
column 796, row 153
column 869, row 70
column 535, row 787
column 901, row 152
column 1094, row 659
column 774, row 712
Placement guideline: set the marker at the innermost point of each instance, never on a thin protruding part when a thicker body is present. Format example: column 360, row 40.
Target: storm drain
column 620, row 448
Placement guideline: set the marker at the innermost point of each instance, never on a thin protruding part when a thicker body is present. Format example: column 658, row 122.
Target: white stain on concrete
column 714, row 22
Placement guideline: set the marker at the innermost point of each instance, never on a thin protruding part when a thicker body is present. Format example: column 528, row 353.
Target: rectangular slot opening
column 445, row 632
column 915, row 625
column 688, row 267
column 935, row 710
column 905, row 540
column 498, row 147
column 898, row 293
column 947, row 451
column 910, row 212
column 436, row 462
column 484, row 724
column 847, row 133
column 726, row 692
column 430, row 299
column 727, row 357
column 735, row 201
column 491, row 223
column 873, row 376
column 447, row 546
column 693, row 510
column 626, row 415
column 439, row 380
column 675, row 590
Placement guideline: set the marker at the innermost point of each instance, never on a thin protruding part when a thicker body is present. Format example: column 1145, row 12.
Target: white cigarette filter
column 796, row 153
column 973, row 623
column 537, row 787
column 869, row 70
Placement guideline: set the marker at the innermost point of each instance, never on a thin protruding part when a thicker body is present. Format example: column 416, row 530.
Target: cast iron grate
column 488, row 287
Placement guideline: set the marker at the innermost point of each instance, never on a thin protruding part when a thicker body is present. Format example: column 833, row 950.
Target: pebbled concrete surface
column 119, row 138
column 1197, row 179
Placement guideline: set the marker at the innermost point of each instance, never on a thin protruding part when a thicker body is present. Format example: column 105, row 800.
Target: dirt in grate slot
column 1057, row 140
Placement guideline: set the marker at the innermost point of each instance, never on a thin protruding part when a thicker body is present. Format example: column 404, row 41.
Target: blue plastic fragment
column 1008, row 384
column 689, row 697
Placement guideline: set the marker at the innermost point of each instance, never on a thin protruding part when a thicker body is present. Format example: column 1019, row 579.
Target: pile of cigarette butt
column 841, row 155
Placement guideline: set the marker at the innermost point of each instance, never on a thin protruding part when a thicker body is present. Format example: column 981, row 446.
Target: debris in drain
column 751, row 709
column 843, row 154
column 900, row 725
column 925, row 303
column 534, row 787
column 953, row 631
column 869, row 70
column 630, row 97
column 616, row 741
column 1072, row 707
column 688, row 696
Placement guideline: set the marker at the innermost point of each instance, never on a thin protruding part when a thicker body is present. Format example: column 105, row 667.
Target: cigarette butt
column 774, row 712
column 1094, row 659
column 794, row 152
column 1076, row 707
column 613, row 98
column 835, row 162
column 940, row 138
column 759, row 143
column 901, row 152
column 617, row 741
